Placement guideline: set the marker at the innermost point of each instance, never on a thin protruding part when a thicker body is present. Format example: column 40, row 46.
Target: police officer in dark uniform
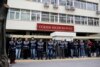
column 18, row 48
column 55, row 48
column 76, row 48
column 12, row 50
column 26, row 48
column 71, row 49
column 66, row 48
column 50, row 46
column 33, row 48
column 62, row 48
column 40, row 48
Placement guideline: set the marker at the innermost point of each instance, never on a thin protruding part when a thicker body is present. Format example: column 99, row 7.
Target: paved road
column 94, row 62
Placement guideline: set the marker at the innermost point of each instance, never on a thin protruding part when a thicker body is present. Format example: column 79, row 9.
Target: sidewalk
column 66, row 59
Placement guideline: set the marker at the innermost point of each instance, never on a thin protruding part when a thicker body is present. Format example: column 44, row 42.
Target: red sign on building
column 53, row 27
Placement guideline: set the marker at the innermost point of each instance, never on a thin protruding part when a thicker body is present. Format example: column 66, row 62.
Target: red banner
column 52, row 27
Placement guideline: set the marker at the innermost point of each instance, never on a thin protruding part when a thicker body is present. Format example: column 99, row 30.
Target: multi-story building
column 40, row 18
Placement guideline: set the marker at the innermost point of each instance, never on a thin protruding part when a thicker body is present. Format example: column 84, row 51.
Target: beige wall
column 25, row 25
column 28, row 25
column 39, row 6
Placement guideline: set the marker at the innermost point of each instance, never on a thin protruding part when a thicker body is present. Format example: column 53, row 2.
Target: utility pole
column 3, row 16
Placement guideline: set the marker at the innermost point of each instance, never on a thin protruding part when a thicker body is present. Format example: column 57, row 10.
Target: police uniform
column 50, row 49
column 76, row 49
column 18, row 49
column 26, row 49
column 33, row 48
column 12, row 48
column 62, row 47
column 55, row 49
column 40, row 45
column 66, row 49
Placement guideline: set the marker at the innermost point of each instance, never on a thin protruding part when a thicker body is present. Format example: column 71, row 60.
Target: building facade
column 40, row 18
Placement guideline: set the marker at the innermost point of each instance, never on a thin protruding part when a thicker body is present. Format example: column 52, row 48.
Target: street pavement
column 76, row 62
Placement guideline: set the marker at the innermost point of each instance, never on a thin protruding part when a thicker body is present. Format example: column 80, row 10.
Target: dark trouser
column 40, row 54
column 54, row 53
column 89, row 52
column 76, row 52
column 71, row 53
column 12, row 56
column 66, row 52
column 97, row 52
column 25, row 53
column 50, row 53
column 62, row 54
column 33, row 53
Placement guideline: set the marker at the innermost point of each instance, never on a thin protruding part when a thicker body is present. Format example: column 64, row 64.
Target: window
column 83, row 5
column 35, row 16
column 89, row 6
column 36, row 0
column 83, row 20
column 54, row 1
column 17, row 14
column 69, row 19
column 53, row 17
column 62, row 18
column 96, row 22
column 70, row 2
column 45, row 1
column 14, row 14
column 62, row 2
column 25, row 15
column 45, row 16
column 95, row 7
column 77, row 19
column 77, row 4
column 90, row 21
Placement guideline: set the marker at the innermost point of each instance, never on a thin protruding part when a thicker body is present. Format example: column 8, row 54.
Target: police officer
column 97, row 44
column 76, row 48
column 50, row 46
column 18, row 48
column 33, row 48
column 12, row 50
column 62, row 48
column 40, row 48
column 82, row 48
column 26, row 48
column 66, row 48
column 55, row 48
column 71, row 49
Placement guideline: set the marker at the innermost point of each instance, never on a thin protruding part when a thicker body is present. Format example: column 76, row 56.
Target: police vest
column 19, row 44
column 33, row 44
column 50, row 45
column 12, row 45
column 62, row 45
column 26, row 44
column 40, row 45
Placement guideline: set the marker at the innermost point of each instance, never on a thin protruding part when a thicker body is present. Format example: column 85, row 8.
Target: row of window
column 75, row 3
column 28, row 15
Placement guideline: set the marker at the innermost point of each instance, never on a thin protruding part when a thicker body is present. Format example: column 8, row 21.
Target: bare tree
column 3, row 16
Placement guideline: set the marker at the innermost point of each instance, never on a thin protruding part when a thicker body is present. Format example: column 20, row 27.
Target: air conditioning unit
column 55, row 6
column 98, row 12
column 46, row 5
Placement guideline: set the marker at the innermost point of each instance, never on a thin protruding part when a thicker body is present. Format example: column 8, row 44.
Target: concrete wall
column 28, row 25
column 40, row 6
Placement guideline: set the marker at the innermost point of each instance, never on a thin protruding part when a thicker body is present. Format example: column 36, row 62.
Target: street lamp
column 3, row 16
